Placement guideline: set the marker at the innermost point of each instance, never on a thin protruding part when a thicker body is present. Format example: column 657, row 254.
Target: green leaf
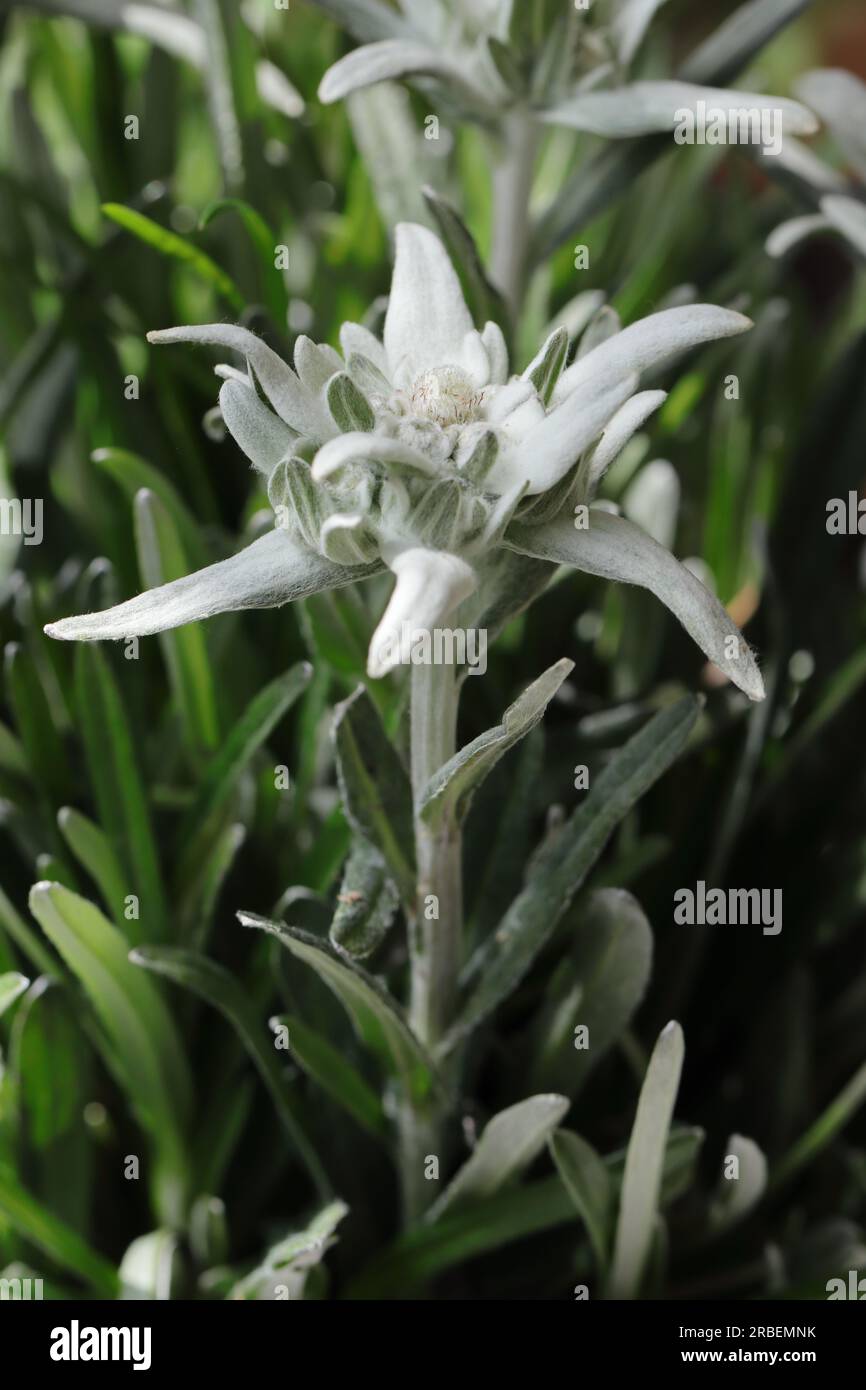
column 587, row 1181
column 448, row 794
column 141, row 1044
column 133, row 473
column 641, row 1184
column 483, row 298
column 54, row 1237
column 222, row 991
column 12, row 986
column 118, row 787
column 431, row 1248
column 336, row 1076
column 609, row 968
column 288, row 1263
column 509, row 1144
column 544, row 370
column 48, row 1058
column 256, row 724
column 560, row 869
column 376, row 1017
column 34, row 721
column 161, row 559
column 824, row 1129
column 174, row 247
column 26, row 939
column 375, row 788
column 265, row 242
column 348, row 405
column 729, row 49
column 366, row 903
column 95, row 853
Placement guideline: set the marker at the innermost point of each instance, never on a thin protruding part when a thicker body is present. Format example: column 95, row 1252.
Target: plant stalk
column 512, row 186
column 436, row 929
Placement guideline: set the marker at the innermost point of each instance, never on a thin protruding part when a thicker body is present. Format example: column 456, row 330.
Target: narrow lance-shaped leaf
column 335, row 1074
column 142, row 1045
column 169, row 244
column 449, row 792
column 509, row 1143
column 161, row 559
column 587, row 1181
column 375, row 787
column 286, row 1265
column 57, row 1240
column 377, row 1018
column 220, row 989
column 12, row 986
column 558, row 872
column 641, row 1182
column 94, row 851
column 117, row 784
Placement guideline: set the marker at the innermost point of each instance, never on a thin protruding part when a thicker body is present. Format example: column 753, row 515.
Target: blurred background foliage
column 109, row 773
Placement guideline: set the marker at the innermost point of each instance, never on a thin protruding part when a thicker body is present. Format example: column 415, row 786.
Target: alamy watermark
column 711, row 907
column 704, row 124
column 438, row 646
column 22, row 518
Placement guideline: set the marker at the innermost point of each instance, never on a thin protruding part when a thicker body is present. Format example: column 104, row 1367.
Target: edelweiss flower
column 478, row 53
column 839, row 98
column 421, row 454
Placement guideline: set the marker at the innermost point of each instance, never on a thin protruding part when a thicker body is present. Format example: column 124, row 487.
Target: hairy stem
column 435, row 932
column 512, row 184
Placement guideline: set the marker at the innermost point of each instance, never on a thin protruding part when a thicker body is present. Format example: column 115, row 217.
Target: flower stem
column 512, row 185
column 435, row 931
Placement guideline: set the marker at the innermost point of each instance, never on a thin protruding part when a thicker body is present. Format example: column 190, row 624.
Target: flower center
column 445, row 395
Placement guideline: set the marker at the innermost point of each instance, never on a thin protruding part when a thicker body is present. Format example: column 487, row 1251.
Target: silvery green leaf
column 624, row 425
column 736, row 1196
column 261, row 434
column 366, row 903
column 608, row 971
column 427, row 321
column 374, row 785
column 631, row 21
column 648, row 343
column 354, row 337
column 801, row 164
column 839, row 97
column 315, row 363
column 349, row 407
column 509, row 1143
column 394, row 151
column 430, row 585
column 641, row 1183
column 450, row 791
column 283, row 1272
column 377, row 1018
column 848, row 216
column 603, row 325
column 272, row 571
column 294, row 404
column 796, row 230
column 586, row 1178
column 366, row 20
column 554, row 445
column 390, row 59
column 299, row 503
column 545, row 368
column 346, row 539
column 368, row 376
column 652, row 501
column 12, row 986
column 560, row 868
column 360, row 445
column 485, row 298
column 644, row 108
column 150, row 1267
column 612, row 547
column 497, row 352
column 738, row 38
column 578, row 312
column 481, row 458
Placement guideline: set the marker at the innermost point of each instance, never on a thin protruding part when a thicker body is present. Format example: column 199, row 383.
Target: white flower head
column 421, row 454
